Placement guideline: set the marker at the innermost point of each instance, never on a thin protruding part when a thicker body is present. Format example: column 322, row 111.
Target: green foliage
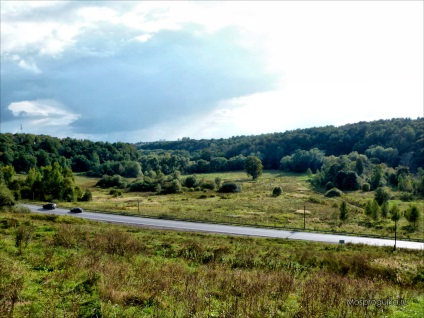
column 377, row 179
column 385, row 209
column 112, row 181
column 412, row 214
column 343, row 211
column 359, row 166
column 372, row 209
column 6, row 196
column 230, row 187
column 302, row 160
column 191, row 182
column 218, row 182
column 115, row 193
column 253, row 167
column 347, row 180
column 23, row 236
column 277, row 191
column 395, row 214
column 334, row 192
column 169, row 187
column 210, row 185
column 381, row 195
column 366, row 187
column 87, row 196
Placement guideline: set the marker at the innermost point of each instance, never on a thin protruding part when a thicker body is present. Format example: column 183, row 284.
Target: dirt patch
column 301, row 212
column 298, row 195
column 302, row 189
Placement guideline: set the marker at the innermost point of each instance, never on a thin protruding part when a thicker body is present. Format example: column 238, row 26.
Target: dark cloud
column 121, row 85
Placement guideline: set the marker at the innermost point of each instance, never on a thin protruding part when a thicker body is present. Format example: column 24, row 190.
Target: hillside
column 402, row 134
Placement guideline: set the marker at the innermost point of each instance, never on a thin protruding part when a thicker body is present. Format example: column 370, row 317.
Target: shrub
column 87, row 196
column 334, row 192
column 329, row 185
column 208, row 185
column 115, row 181
column 277, row 191
column 6, row 197
column 366, row 187
column 381, row 195
column 115, row 193
column 190, row 182
column 230, row 187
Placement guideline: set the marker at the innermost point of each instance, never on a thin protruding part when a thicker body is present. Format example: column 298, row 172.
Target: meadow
column 62, row 266
column 255, row 205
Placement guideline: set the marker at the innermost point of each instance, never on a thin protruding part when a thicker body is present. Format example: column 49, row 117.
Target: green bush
column 366, row 187
column 208, row 185
column 334, row 192
column 277, row 191
column 230, row 187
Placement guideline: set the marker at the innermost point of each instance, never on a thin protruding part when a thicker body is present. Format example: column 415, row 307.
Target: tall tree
column 253, row 167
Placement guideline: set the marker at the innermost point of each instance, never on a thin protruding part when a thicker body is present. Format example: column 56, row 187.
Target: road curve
column 229, row 229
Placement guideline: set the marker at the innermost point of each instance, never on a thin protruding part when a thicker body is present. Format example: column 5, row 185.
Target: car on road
column 49, row 206
column 76, row 210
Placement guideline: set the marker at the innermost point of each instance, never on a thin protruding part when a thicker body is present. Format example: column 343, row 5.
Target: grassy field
column 255, row 205
column 62, row 266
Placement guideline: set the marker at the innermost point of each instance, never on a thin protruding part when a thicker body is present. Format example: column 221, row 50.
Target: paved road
column 228, row 229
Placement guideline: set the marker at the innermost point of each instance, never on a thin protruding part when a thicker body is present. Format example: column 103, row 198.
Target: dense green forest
column 402, row 141
column 393, row 142
column 365, row 155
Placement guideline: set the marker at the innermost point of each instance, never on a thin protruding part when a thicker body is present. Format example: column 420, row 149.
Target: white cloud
column 340, row 61
column 45, row 113
column 30, row 66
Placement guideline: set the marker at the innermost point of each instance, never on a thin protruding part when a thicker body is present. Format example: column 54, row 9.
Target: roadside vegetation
column 257, row 205
column 57, row 266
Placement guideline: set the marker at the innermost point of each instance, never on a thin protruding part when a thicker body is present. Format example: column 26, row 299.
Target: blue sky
column 143, row 71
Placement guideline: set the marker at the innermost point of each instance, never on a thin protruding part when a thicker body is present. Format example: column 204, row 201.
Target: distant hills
column 398, row 141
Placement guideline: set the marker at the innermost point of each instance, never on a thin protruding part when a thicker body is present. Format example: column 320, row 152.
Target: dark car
column 76, row 210
column 49, row 206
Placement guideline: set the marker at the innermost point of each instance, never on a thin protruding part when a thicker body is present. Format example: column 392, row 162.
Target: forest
column 365, row 155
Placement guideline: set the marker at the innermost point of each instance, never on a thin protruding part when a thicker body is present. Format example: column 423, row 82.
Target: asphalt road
column 228, row 229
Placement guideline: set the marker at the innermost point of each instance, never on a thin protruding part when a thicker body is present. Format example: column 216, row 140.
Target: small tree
column 381, row 195
column 372, row 209
column 218, row 182
column 412, row 215
column 343, row 211
column 253, row 166
column 385, row 209
column 395, row 216
column 359, row 166
column 309, row 172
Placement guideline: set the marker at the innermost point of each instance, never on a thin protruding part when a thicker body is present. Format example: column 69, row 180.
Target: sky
column 137, row 71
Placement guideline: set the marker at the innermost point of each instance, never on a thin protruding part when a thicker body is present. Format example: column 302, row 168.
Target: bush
column 6, row 197
column 381, row 195
column 333, row 193
column 366, row 187
column 87, row 196
column 115, row 193
column 329, row 185
column 190, row 182
column 230, row 187
column 115, row 181
column 208, row 185
column 277, row 191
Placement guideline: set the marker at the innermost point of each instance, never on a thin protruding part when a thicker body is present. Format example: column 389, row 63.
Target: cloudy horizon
column 143, row 71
